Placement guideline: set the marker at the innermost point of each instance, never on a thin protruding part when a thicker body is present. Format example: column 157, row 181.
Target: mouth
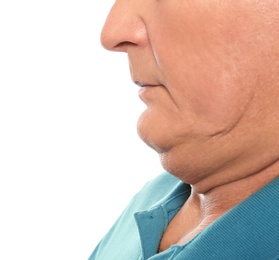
column 150, row 91
column 150, row 94
column 144, row 85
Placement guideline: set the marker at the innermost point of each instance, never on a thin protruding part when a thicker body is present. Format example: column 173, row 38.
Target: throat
column 186, row 224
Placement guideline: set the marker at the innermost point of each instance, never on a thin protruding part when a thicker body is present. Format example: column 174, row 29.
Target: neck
column 211, row 201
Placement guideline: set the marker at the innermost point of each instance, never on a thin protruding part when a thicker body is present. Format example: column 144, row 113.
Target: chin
column 159, row 129
column 176, row 158
column 154, row 133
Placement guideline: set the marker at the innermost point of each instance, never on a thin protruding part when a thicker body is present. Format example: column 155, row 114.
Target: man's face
column 207, row 68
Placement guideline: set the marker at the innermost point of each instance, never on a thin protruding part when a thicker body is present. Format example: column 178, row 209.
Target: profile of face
column 209, row 75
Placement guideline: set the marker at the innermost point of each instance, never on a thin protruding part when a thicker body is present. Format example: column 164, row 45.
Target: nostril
column 109, row 43
column 122, row 46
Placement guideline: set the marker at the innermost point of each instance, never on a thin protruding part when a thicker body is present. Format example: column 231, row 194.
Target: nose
column 123, row 27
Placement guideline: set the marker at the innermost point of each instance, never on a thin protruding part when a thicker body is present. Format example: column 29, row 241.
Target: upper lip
column 144, row 84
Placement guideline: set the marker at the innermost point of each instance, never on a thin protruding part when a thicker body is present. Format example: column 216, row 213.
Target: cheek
column 205, row 75
column 218, row 108
column 215, row 97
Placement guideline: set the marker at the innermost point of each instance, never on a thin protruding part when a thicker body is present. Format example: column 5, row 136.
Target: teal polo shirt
column 249, row 231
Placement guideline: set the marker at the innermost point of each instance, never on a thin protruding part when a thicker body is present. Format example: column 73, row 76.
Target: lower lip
column 144, row 90
column 147, row 93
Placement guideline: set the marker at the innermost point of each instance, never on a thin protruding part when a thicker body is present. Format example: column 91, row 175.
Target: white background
column 70, row 157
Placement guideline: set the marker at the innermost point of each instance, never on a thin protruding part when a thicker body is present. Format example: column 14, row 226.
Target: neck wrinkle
column 220, row 199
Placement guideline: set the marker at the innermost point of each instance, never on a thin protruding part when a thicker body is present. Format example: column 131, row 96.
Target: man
column 208, row 72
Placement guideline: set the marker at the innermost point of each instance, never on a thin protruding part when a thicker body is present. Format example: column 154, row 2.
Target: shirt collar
column 152, row 223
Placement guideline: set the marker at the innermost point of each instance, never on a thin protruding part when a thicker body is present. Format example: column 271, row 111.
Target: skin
column 209, row 75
